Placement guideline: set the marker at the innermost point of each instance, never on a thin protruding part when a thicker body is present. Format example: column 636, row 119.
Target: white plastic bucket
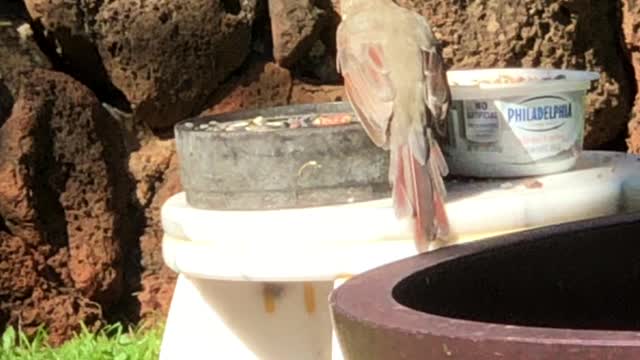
column 515, row 122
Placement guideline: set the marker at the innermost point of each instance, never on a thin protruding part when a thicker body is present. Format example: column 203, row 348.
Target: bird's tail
column 419, row 192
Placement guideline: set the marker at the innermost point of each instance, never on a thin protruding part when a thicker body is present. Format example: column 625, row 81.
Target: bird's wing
column 437, row 95
column 367, row 83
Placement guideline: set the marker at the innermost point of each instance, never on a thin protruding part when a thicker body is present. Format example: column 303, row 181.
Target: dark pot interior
column 570, row 291
column 588, row 279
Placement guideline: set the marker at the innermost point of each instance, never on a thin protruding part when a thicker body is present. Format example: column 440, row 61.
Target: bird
column 396, row 81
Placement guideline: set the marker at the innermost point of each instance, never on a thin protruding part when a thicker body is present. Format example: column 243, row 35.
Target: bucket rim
column 468, row 79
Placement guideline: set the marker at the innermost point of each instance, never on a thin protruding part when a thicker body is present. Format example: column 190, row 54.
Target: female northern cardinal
column 396, row 82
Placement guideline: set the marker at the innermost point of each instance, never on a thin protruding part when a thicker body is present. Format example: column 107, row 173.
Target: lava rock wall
column 90, row 90
column 631, row 32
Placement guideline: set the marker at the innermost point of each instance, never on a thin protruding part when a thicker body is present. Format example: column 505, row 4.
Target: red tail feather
column 416, row 195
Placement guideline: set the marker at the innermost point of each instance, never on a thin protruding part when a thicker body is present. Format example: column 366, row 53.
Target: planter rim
column 269, row 111
column 357, row 300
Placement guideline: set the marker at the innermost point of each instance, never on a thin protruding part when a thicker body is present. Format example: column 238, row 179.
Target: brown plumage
column 396, row 82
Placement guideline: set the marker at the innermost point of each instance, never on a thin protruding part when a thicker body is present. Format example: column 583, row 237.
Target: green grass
column 112, row 343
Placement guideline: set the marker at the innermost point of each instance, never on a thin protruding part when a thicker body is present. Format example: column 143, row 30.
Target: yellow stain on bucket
column 344, row 276
column 269, row 303
column 269, row 294
column 309, row 298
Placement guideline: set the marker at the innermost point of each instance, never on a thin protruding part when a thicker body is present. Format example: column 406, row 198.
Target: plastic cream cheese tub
column 515, row 122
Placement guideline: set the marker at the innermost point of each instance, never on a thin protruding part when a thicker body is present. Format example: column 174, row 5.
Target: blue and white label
column 543, row 113
column 541, row 126
column 522, row 130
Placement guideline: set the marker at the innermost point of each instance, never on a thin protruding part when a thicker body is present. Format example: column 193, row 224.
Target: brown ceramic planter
column 565, row 292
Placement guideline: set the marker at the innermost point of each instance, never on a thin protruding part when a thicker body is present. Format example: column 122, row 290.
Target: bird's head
column 352, row 7
column 344, row 8
column 349, row 7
